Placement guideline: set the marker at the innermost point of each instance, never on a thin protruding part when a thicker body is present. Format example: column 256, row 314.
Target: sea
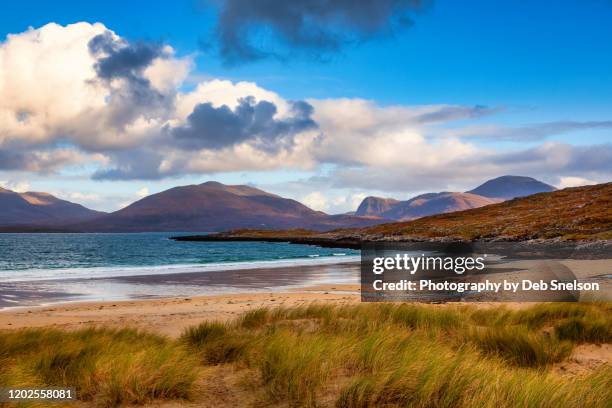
column 42, row 268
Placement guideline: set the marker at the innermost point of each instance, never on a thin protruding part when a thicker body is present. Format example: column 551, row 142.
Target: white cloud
column 46, row 83
column 167, row 74
column 569, row 181
column 362, row 133
column 143, row 192
column 356, row 199
column 223, row 92
column 80, row 196
column 16, row 185
column 333, row 203
column 49, row 90
column 316, row 200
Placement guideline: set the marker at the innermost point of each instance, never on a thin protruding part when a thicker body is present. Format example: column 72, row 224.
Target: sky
column 323, row 101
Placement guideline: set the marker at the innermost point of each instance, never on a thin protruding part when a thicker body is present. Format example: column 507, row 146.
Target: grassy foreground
column 367, row 355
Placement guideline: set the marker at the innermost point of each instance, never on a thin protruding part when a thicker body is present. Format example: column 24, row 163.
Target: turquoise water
column 37, row 269
column 39, row 256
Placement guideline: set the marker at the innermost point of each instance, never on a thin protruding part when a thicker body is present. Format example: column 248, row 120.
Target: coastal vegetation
column 365, row 355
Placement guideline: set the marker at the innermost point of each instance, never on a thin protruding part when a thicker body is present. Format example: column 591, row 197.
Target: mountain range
column 491, row 192
column 576, row 213
column 213, row 206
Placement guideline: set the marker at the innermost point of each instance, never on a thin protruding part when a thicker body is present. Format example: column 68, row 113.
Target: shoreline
column 581, row 249
column 151, row 286
column 196, row 281
column 110, row 272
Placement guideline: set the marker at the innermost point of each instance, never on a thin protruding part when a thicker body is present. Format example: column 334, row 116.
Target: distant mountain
column 491, row 192
column 508, row 187
column 33, row 208
column 375, row 206
column 422, row 205
column 436, row 203
column 214, row 206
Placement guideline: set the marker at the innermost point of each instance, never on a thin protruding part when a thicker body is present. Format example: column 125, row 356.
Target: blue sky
column 532, row 63
column 556, row 55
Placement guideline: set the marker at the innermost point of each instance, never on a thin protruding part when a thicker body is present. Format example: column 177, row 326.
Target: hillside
column 34, row 208
column 580, row 213
column 214, row 206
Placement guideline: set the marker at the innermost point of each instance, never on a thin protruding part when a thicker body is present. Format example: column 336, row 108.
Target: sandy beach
column 168, row 316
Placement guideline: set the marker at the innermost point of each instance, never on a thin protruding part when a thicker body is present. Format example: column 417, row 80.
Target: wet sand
column 168, row 285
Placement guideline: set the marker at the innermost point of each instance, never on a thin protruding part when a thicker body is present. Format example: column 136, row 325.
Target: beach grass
column 366, row 355
column 415, row 355
column 107, row 367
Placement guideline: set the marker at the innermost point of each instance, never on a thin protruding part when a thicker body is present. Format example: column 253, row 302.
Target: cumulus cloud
column 121, row 100
column 223, row 92
column 121, row 66
column 223, row 126
column 120, row 59
column 216, row 128
column 84, row 85
column 119, row 105
column 393, row 135
column 319, row 26
column 40, row 98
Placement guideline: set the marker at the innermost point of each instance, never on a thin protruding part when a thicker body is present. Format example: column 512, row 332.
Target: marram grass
column 108, row 367
column 367, row 355
column 412, row 355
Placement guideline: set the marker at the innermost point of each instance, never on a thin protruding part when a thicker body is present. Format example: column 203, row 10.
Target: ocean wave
column 124, row 271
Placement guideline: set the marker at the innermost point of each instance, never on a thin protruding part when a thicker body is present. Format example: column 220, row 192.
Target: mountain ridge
column 213, row 206
column 40, row 209
column 493, row 191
